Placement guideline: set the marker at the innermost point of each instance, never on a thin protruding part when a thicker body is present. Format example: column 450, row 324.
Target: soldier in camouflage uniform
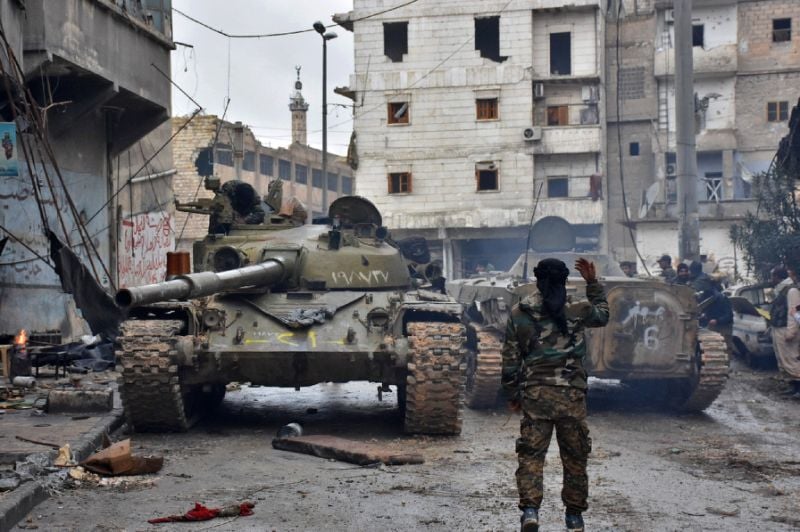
column 543, row 373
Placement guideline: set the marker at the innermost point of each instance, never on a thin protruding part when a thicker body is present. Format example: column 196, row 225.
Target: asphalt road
column 736, row 467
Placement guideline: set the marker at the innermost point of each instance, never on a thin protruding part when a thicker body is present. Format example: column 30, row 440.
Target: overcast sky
column 262, row 72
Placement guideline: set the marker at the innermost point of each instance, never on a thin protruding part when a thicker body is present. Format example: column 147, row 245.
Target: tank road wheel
column 435, row 381
column 150, row 383
column 483, row 371
column 712, row 365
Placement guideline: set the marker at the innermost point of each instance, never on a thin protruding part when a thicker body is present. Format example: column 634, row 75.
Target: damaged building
column 465, row 110
column 746, row 58
column 238, row 154
column 83, row 82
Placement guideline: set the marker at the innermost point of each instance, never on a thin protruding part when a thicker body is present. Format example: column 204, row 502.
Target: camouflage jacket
column 536, row 353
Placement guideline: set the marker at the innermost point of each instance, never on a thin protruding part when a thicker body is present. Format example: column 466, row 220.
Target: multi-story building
column 92, row 69
column 238, row 154
column 465, row 110
column 746, row 77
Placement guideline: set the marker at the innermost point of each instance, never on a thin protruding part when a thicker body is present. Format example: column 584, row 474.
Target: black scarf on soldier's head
column 551, row 280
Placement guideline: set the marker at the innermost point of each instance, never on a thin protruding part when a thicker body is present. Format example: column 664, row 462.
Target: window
column 557, row 115
column 399, row 182
column 284, row 169
column 486, row 176
column 633, row 149
column 487, row 38
column 316, row 178
column 557, row 187
column 561, row 54
column 265, row 163
column 713, row 186
column 697, row 35
column 395, row 40
column 249, row 163
column 781, row 29
column 398, row 112
column 486, row 108
column 300, row 174
column 347, row 185
column 777, row 111
column 224, row 155
column 333, row 182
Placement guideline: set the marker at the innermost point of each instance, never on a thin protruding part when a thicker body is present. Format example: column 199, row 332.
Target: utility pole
column 685, row 140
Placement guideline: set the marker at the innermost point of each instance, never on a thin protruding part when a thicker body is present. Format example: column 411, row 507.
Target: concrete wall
column 583, row 31
column 757, row 51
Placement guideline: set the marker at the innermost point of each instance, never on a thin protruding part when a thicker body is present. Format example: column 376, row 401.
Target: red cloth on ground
column 202, row 513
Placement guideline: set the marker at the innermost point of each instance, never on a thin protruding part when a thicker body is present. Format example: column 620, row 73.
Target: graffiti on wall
column 144, row 242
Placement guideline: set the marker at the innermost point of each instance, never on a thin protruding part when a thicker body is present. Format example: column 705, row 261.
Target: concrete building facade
column 746, row 68
column 465, row 110
column 299, row 165
column 91, row 67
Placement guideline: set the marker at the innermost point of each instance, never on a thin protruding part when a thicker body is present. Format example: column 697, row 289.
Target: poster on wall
column 8, row 158
column 144, row 242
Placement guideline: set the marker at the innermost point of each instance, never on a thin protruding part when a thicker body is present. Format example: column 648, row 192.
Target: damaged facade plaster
column 96, row 62
column 469, row 174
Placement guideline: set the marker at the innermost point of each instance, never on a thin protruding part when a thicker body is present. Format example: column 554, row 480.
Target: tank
column 652, row 342
column 275, row 302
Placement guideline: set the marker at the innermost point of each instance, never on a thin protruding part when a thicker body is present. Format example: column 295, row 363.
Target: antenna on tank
column 530, row 229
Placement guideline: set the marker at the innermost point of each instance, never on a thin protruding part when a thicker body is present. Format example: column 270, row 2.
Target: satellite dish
column 650, row 197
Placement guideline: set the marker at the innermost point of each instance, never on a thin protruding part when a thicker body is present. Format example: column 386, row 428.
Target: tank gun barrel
column 203, row 284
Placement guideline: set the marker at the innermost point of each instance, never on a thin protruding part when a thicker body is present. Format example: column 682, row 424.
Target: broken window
column 557, row 115
column 777, row 111
column 284, row 169
column 561, row 53
column 486, row 108
column 487, row 38
column 713, row 186
column 698, row 35
column 266, row 164
column 558, row 187
column 781, row 29
column 249, row 163
column 633, row 149
column 224, row 155
column 399, row 182
column 301, row 174
column 398, row 112
column 395, row 40
column 486, row 176
column 316, row 177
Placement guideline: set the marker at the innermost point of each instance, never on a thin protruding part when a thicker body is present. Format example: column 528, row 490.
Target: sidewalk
column 82, row 431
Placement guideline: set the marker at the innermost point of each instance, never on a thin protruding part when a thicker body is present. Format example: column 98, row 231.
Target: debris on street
column 118, row 460
column 346, row 450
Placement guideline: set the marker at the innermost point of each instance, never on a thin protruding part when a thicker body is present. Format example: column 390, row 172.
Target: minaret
column 299, row 107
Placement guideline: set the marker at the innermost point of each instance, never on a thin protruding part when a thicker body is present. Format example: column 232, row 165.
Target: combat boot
column 574, row 522
column 530, row 520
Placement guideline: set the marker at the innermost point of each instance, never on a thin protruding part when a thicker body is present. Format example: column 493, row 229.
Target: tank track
column 713, row 367
column 484, row 367
column 435, row 381
column 150, row 385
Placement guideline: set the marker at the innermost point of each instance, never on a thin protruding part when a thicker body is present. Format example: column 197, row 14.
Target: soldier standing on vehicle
column 785, row 333
column 544, row 375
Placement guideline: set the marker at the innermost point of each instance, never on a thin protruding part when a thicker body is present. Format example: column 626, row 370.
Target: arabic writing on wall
column 144, row 242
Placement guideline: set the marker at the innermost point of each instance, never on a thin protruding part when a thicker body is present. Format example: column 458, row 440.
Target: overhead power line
column 283, row 33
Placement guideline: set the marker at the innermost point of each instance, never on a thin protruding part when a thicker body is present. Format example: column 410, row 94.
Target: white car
column 752, row 337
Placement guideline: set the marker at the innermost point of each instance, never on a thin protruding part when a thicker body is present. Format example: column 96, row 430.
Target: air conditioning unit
column 589, row 93
column 532, row 134
column 538, row 90
column 672, row 170
column 669, row 16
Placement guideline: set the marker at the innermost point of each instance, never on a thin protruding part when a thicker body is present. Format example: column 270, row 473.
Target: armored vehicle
column 652, row 340
column 278, row 303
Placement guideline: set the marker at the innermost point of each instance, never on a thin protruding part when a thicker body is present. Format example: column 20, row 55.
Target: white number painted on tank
column 350, row 278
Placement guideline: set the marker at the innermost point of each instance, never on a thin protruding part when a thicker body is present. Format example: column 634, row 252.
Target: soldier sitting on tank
column 665, row 263
column 683, row 277
column 235, row 203
column 700, row 281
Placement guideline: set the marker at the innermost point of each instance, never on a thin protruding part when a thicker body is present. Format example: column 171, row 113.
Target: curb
column 17, row 504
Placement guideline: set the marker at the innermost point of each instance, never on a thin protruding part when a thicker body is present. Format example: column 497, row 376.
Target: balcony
column 569, row 139
column 718, row 60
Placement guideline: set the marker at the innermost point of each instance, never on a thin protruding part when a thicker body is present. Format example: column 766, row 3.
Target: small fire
column 21, row 339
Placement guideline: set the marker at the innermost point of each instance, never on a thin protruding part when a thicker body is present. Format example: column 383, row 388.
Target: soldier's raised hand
column 586, row 269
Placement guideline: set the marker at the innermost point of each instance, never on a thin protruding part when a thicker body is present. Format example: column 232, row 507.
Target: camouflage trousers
column 545, row 408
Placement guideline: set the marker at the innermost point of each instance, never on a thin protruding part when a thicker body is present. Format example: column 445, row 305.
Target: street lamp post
column 319, row 27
